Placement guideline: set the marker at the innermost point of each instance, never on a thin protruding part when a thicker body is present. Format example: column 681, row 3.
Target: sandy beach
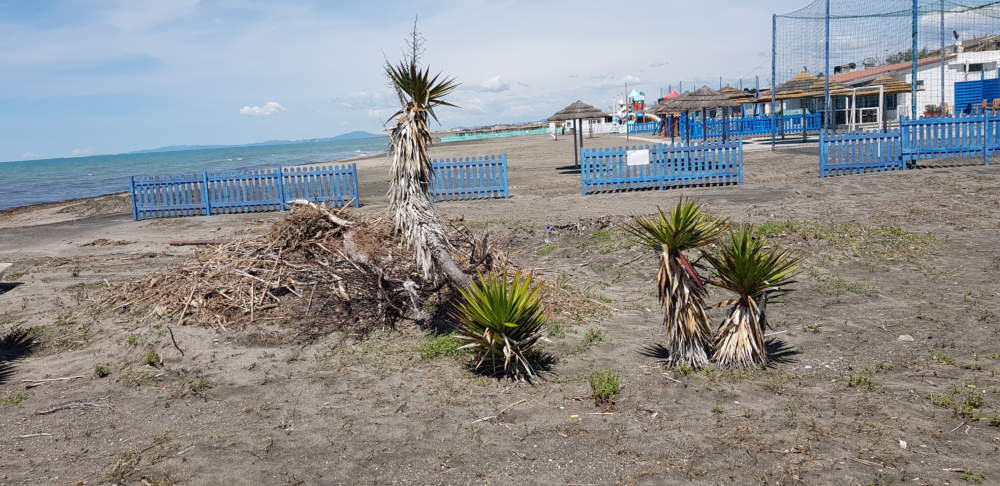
column 900, row 287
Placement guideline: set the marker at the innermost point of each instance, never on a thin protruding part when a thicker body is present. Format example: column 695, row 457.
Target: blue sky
column 85, row 76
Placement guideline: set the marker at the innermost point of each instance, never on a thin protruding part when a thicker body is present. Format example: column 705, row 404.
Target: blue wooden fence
column 647, row 127
column 859, row 153
column 607, row 169
column 241, row 191
column 483, row 177
column 741, row 127
column 921, row 139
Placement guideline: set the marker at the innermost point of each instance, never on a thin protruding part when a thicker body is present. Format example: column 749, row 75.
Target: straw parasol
column 702, row 100
column 577, row 112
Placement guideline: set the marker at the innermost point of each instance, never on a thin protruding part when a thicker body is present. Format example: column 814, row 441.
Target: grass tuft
column 15, row 398
column 604, row 386
column 440, row 346
column 101, row 371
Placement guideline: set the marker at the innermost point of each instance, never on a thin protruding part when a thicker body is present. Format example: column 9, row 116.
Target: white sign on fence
column 638, row 157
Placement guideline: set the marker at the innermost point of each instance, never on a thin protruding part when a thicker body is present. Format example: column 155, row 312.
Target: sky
column 83, row 77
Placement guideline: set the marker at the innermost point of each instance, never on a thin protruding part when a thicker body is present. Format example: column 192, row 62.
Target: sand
column 900, row 288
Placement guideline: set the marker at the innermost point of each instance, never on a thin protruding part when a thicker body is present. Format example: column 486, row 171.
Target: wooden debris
column 71, row 406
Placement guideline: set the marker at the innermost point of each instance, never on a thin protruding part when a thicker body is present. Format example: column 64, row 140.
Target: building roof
column 879, row 70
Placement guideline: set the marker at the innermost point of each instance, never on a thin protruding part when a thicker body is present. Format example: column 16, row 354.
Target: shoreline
column 12, row 211
column 17, row 210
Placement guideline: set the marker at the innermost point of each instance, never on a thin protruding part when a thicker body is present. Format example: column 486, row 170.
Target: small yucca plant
column 681, row 290
column 747, row 267
column 500, row 319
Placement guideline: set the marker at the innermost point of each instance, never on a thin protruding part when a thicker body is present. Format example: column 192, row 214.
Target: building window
column 975, row 68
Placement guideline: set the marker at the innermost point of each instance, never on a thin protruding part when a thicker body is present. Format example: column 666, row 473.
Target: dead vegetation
column 315, row 269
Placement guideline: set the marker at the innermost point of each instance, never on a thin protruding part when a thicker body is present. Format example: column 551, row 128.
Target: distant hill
column 355, row 135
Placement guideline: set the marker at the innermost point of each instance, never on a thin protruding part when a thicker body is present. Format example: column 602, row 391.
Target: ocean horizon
column 27, row 182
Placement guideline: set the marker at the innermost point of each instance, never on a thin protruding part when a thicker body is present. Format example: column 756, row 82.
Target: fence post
column 822, row 153
column 357, row 192
column 741, row 161
column 904, row 143
column 135, row 205
column 583, row 174
column 804, row 136
column 506, row 180
column 986, row 144
column 280, row 185
column 204, row 194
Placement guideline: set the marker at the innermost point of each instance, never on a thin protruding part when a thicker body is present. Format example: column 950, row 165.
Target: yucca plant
column 681, row 290
column 755, row 272
column 500, row 319
column 413, row 216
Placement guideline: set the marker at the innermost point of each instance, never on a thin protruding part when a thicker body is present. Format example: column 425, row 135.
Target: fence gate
column 922, row 139
column 459, row 179
column 241, row 191
column 660, row 166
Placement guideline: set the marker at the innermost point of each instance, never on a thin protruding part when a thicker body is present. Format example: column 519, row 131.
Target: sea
column 50, row 180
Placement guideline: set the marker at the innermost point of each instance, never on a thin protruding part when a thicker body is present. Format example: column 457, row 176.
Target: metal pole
column 576, row 151
column 942, row 60
column 914, row 55
column 826, row 75
column 774, row 78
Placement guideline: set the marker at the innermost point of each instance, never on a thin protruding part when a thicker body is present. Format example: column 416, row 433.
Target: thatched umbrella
column 577, row 112
column 703, row 99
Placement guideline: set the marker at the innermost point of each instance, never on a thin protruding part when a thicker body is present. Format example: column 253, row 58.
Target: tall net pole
column 774, row 80
column 915, row 55
column 943, row 63
column 828, row 72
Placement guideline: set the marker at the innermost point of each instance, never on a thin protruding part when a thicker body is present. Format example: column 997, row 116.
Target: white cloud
column 630, row 79
column 81, row 152
column 496, row 84
column 269, row 108
column 380, row 113
column 133, row 15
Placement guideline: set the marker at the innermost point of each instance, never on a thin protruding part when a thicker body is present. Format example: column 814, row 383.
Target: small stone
column 906, row 338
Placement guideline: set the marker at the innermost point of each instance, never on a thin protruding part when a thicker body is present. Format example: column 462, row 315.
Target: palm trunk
column 689, row 336
column 740, row 342
column 412, row 213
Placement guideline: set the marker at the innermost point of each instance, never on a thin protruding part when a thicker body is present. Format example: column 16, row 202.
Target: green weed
column 837, row 285
column 937, row 355
column 152, row 359
column 884, row 366
column 972, row 477
column 101, row 371
column 547, row 250
column 15, row 398
column 440, row 346
column 604, row 386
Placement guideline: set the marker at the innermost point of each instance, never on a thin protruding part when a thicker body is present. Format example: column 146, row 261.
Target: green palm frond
column 500, row 319
column 417, row 89
column 687, row 226
column 747, row 267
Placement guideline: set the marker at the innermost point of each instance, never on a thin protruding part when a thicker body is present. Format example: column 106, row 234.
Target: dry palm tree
column 413, row 216
column 681, row 290
column 747, row 267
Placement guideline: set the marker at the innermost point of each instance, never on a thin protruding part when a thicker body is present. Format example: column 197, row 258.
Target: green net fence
column 870, row 45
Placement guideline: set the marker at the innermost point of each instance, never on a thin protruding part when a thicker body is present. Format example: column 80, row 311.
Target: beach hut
column 577, row 113
column 702, row 100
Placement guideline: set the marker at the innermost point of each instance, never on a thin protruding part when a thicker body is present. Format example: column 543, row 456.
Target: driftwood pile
column 315, row 271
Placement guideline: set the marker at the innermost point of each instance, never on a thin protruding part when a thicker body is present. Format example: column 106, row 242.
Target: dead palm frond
column 681, row 290
column 748, row 268
column 413, row 216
